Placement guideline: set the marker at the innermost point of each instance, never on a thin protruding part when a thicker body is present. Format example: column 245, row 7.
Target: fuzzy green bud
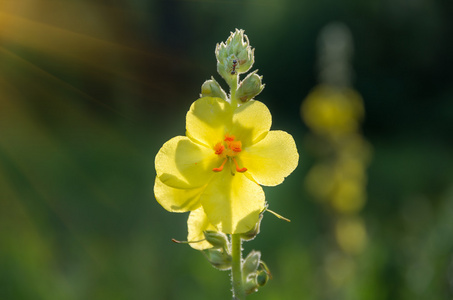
column 235, row 56
column 218, row 258
column 250, row 87
column 262, row 277
column 217, row 239
column 251, row 263
column 211, row 88
column 251, row 234
column 251, row 285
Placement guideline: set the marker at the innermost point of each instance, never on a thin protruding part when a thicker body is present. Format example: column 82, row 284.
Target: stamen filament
column 221, row 167
column 241, row 170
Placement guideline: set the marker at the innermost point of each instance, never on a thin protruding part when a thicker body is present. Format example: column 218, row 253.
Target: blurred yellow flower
column 216, row 170
column 333, row 111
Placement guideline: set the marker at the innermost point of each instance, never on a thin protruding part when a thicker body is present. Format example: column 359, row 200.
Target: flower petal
column 272, row 159
column 207, row 119
column 177, row 200
column 232, row 203
column 196, row 224
column 181, row 163
column 251, row 122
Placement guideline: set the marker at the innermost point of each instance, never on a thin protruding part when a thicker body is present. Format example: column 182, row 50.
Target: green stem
column 236, row 267
column 233, row 88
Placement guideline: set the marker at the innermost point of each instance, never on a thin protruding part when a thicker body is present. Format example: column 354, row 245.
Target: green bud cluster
column 234, row 57
column 255, row 273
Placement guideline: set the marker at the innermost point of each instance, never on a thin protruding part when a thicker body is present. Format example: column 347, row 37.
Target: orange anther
column 229, row 138
column 221, row 167
column 236, row 146
column 241, row 170
column 219, row 148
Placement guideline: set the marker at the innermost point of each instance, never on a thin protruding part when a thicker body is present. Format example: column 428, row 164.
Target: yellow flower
column 332, row 111
column 216, row 170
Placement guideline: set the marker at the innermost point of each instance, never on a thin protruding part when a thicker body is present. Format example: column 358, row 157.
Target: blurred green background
column 90, row 90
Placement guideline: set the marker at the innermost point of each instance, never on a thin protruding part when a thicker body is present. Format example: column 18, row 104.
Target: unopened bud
column 251, row 263
column 217, row 239
column 251, row 234
column 250, row 87
column 211, row 88
column 251, row 285
column 235, row 56
column 262, row 277
column 218, row 258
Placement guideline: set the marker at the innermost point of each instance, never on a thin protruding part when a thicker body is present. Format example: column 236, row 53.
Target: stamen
column 241, row 170
column 236, row 146
column 219, row 148
column 229, row 138
column 221, row 167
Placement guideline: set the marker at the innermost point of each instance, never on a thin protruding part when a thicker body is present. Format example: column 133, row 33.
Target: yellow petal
column 177, row 200
column 251, row 122
column 232, row 203
column 207, row 119
column 196, row 224
column 269, row 161
column 181, row 163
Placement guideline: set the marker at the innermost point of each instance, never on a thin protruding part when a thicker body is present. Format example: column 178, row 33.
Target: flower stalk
column 236, row 267
column 233, row 88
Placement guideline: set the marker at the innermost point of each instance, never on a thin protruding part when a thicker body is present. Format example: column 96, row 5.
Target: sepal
column 262, row 278
column 211, row 88
column 250, row 87
column 217, row 239
column 218, row 258
column 251, row 234
column 251, row 263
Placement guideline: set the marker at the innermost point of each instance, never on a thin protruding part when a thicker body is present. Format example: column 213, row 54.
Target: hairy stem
column 236, row 268
column 233, row 88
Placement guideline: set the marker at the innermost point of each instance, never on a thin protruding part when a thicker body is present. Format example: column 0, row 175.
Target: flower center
column 228, row 149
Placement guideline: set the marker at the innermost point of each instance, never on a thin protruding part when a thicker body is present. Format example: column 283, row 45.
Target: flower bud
column 211, row 88
column 235, row 56
column 250, row 87
column 251, row 263
column 217, row 239
column 262, row 277
column 251, row 234
column 251, row 285
column 218, row 258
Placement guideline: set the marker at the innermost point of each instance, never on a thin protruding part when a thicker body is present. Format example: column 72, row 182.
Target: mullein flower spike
column 216, row 170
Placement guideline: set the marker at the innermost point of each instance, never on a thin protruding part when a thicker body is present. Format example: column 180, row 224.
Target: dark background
column 90, row 90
